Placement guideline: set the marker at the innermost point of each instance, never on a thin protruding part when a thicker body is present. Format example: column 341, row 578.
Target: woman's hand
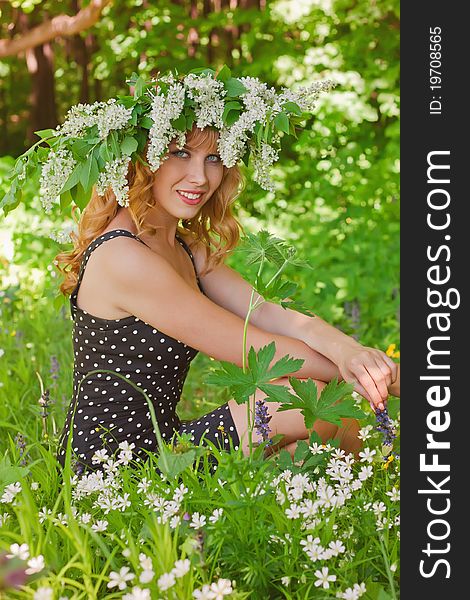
column 373, row 373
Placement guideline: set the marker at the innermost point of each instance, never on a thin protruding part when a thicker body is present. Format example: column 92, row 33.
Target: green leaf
column 327, row 407
column 129, row 145
column 231, row 117
column 115, row 148
column 73, row 179
column 80, row 149
column 179, row 123
column 301, row 451
column 285, row 460
column 173, row 464
column 139, row 87
column 105, row 152
column 292, row 107
column 224, row 74
column 146, row 123
column 45, row 133
column 89, row 173
column 65, row 200
column 80, row 196
column 281, row 121
column 234, row 87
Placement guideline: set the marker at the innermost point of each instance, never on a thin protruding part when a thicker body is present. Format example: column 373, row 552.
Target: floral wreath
column 96, row 141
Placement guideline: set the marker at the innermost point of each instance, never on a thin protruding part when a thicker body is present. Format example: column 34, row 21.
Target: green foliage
column 336, row 202
column 327, row 406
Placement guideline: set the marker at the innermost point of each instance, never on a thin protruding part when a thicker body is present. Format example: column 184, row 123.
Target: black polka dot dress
column 110, row 407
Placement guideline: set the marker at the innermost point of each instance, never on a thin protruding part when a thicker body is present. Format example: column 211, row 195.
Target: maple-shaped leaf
column 258, row 374
column 327, row 406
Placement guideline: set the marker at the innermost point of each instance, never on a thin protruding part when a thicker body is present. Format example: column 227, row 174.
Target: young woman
column 147, row 295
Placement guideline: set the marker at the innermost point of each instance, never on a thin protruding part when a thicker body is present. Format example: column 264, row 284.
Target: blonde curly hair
column 214, row 226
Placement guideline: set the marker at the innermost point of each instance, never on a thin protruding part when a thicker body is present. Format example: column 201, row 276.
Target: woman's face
column 186, row 180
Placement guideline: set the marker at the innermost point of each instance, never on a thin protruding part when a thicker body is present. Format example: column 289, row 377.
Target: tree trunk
column 43, row 101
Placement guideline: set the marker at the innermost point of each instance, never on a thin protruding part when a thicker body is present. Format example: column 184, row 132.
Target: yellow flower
column 390, row 351
column 221, row 428
column 387, row 463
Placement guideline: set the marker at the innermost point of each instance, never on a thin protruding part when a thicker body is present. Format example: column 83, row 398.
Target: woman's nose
column 197, row 172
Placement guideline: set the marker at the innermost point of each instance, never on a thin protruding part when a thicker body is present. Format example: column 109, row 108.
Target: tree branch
column 60, row 26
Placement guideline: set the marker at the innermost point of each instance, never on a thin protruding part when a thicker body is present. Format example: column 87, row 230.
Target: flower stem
column 251, row 308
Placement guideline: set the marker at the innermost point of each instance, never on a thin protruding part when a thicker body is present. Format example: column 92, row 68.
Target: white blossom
column 19, row 551
column 115, row 177
column 120, row 578
column 35, row 565
column 137, row 594
column 166, row 581
column 54, row 174
column 107, row 116
column 323, row 578
column 43, row 593
column 181, row 567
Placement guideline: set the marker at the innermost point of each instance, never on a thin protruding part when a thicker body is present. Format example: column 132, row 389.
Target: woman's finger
column 369, row 385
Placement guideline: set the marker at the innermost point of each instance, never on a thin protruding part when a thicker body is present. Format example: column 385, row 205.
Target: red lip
column 188, row 201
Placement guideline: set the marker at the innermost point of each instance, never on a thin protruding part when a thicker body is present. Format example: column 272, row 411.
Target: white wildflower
column 367, row 455
column 166, row 581
column 394, row 494
column 115, row 177
column 10, row 491
column 137, row 594
column 4, row 518
column 85, row 518
column 21, row 552
column 120, row 578
column 181, row 567
column 43, row 593
column 100, row 526
column 146, row 576
column 34, row 485
column 323, row 578
column 54, row 174
column 175, row 521
column 216, row 514
column 107, row 116
column 337, row 547
column 208, row 93
column 365, row 473
column 365, row 433
column 35, row 565
column 165, row 108
column 293, row 511
column 221, row 588
column 204, row 593
column 179, row 493
column 144, row 485
column 285, row 580
column 197, row 520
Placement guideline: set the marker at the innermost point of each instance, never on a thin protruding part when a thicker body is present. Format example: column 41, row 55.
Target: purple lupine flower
column 55, row 368
column 385, row 426
column 21, row 445
column 262, row 419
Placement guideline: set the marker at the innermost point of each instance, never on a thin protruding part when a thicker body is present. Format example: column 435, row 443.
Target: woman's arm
column 144, row 284
column 371, row 370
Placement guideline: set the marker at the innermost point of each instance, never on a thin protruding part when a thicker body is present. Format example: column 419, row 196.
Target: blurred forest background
column 337, row 197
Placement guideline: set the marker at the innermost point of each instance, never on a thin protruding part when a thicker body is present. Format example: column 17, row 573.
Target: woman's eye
column 214, row 158
column 179, row 153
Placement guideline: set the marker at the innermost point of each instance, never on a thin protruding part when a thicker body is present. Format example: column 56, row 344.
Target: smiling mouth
column 190, row 197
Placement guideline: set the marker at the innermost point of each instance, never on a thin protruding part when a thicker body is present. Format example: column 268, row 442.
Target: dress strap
column 109, row 235
column 186, row 247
